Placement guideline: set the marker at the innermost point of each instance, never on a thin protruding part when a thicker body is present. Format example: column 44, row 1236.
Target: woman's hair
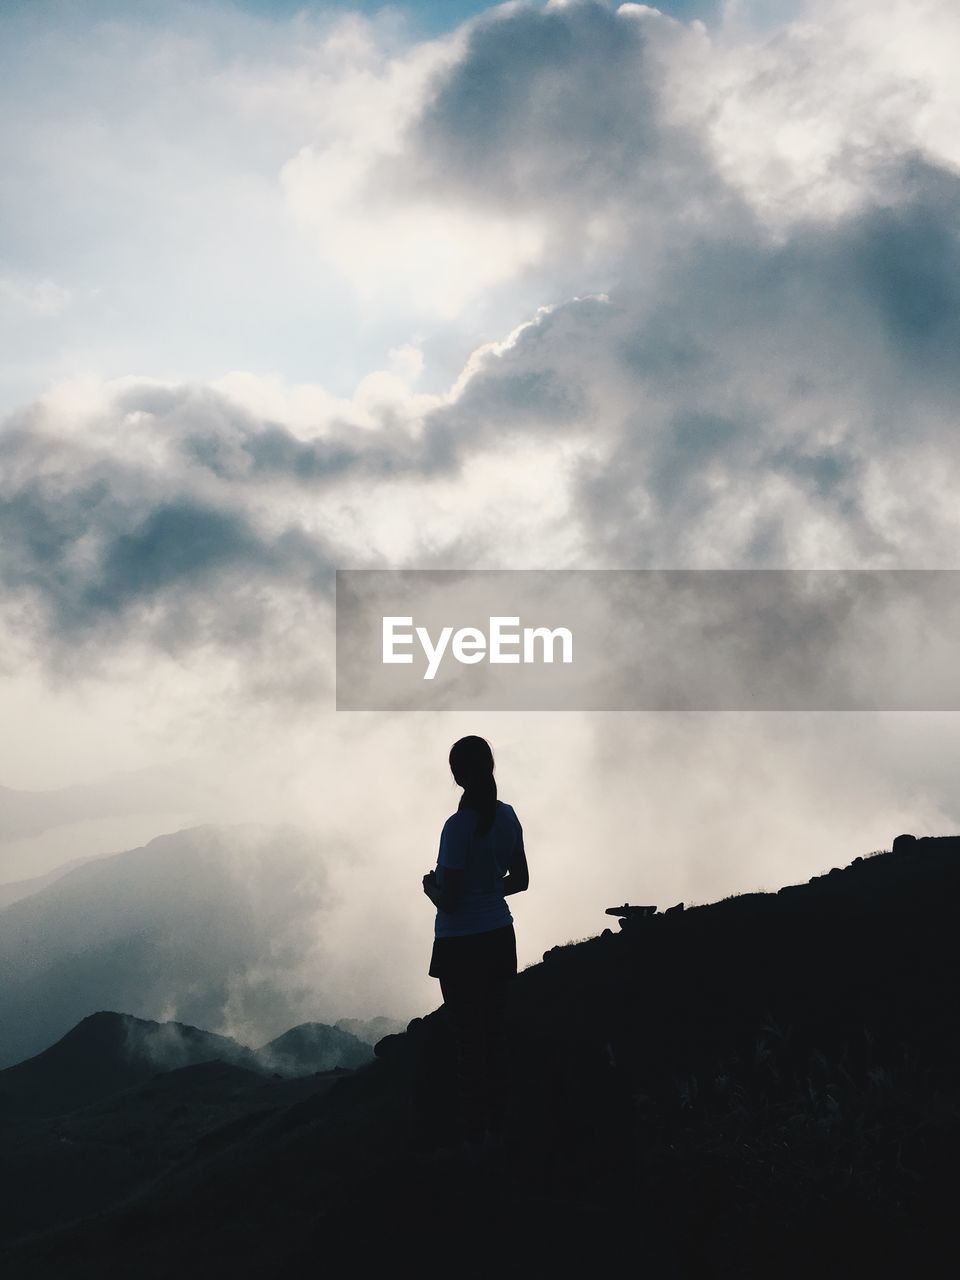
column 471, row 762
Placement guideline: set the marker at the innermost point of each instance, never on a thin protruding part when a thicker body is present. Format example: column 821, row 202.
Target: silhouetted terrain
column 768, row 1086
column 119, row 1100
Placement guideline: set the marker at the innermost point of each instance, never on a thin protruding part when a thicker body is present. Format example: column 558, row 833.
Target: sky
column 286, row 288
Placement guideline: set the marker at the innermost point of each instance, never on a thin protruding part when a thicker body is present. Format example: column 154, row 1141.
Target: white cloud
column 437, row 257
column 36, row 297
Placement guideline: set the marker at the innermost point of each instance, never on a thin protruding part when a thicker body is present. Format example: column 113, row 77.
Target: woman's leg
column 495, row 1044
column 467, row 1015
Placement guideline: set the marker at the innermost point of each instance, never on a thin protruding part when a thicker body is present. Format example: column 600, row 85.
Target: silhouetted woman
column 481, row 860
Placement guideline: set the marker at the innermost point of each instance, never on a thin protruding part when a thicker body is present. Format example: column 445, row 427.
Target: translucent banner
column 648, row 640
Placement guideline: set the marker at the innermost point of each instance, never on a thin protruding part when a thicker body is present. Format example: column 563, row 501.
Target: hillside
column 120, row 1100
column 768, row 1085
column 16, row 890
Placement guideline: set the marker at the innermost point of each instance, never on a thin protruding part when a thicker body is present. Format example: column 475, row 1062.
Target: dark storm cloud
column 521, row 113
column 259, row 451
column 885, row 278
column 557, row 115
column 512, row 393
column 99, row 546
column 907, row 262
column 726, row 363
column 784, row 373
column 717, row 382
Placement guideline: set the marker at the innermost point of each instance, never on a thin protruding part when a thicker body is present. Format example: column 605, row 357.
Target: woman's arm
column 445, row 896
column 518, row 877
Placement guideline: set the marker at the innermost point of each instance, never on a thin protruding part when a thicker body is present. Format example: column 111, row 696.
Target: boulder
column 628, row 912
column 904, row 843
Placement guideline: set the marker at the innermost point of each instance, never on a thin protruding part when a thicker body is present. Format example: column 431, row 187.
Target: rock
column 630, row 913
column 387, row 1046
column 904, row 843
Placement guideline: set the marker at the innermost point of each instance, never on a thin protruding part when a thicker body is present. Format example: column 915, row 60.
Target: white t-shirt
column 484, row 860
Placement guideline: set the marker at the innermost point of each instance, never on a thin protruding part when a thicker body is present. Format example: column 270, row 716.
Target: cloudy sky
column 291, row 287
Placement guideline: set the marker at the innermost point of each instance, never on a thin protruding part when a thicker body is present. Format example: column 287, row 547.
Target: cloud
column 764, row 403
column 109, row 537
column 385, row 242
column 26, row 813
column 35, row 297
column 144, row 155
column 790, row 402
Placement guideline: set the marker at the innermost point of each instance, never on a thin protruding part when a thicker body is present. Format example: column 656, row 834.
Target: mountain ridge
column 108, row 1052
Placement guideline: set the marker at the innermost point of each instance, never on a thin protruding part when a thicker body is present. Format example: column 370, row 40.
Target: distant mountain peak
column 107, row 1052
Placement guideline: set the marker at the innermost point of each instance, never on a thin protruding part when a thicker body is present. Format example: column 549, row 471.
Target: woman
column 481, row 860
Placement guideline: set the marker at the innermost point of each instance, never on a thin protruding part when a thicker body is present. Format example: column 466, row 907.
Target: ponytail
column 471, row 761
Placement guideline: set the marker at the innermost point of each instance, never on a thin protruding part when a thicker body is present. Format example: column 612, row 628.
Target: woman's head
column 471, row 762
column 470, row 758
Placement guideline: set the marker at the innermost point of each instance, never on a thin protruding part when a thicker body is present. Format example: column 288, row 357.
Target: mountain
column 15, row 890
column 369, row 1030
column 763, row 1086
column 209, row 926
column 313, row 1047
column 27, row 813
column 104, row 1054
column 109, row 1052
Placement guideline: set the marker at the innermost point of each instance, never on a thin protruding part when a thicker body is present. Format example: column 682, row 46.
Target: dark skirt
column 475, row 956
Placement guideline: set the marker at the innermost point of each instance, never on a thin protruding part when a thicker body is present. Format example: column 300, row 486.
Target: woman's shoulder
column 460, row 817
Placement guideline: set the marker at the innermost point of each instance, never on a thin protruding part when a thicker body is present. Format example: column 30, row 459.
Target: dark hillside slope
column 765, row 1086
column 59, row 1169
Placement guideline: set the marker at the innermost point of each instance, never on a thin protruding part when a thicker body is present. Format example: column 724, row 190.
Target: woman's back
column 484, row 860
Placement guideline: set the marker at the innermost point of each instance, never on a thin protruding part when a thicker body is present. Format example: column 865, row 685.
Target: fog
column 656, row 808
